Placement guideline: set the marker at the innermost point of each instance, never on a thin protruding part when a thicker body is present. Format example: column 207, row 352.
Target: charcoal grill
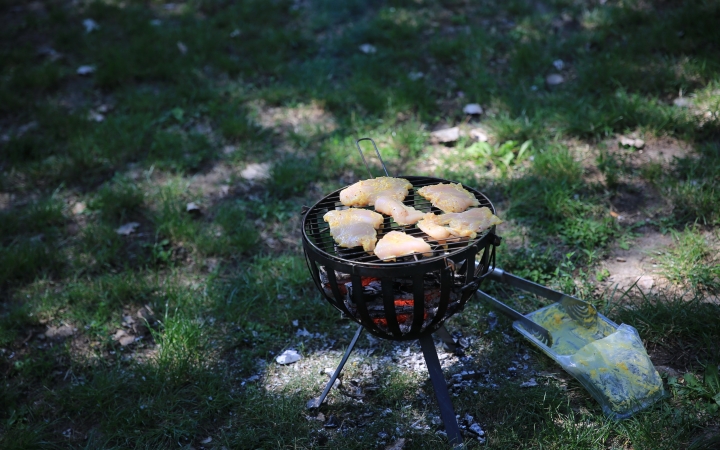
column 406, row 299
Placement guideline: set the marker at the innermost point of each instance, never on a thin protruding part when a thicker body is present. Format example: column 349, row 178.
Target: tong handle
column 377, row 152
column 541, row 332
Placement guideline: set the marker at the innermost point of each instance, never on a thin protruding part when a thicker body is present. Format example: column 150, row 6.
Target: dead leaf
column 127, row 229
column 182, row 47
column 472, row 108
column 85, row 70
column 446, row 135
column 123, row 338
column 479, row 135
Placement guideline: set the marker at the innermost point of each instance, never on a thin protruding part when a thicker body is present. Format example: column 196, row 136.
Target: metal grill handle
column 362, row 155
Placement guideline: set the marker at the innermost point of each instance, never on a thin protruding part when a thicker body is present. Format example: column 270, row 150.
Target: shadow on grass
column 174, row 110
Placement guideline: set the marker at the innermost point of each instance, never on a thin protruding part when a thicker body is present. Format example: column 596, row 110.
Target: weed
column 692, row 261
column 118, row 199
column 291, row 175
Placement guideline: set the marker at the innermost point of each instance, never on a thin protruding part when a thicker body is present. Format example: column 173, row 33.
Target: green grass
column 192, row 93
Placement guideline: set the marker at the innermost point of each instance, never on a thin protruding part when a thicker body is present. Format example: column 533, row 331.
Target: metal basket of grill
column 411, row 296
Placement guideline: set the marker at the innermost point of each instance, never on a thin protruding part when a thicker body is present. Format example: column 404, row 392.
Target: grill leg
column 447, row 412
column 316, row 402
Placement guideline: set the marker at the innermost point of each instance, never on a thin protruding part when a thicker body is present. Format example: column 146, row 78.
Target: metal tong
column 582, row 312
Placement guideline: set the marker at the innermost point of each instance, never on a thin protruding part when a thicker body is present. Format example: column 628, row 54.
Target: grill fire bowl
column 405, row 299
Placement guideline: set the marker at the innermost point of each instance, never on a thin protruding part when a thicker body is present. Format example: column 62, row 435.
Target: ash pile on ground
column 350, row 409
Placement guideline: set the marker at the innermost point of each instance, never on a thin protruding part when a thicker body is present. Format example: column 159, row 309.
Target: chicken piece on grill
column 402, row 214
column 430, row 225
column 470, row 222
column 396, row 244
column 354, row 227
column 450, row 198
column 365, row 192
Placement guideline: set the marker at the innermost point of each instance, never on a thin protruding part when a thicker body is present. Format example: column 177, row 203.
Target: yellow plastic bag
column 610, row 361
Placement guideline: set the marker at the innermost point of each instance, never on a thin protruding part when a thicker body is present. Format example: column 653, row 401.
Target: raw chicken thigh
column 469, row 223
column 354, row 227
column 450, row 198
column 396, row 244
column 365, row 192
column 431, row 225
column 402, row 214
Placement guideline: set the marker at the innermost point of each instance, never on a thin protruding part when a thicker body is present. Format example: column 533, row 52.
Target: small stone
column 332, row 422
column 59, row 332
column 475, row 428
column 85, row 70
column 192, row 208
column 554, row 79
column 206, row 440
column 79, row 208
column 235, row 33
column 127, row 229
column 156, row 22
column 478, row 135
column 530, row 383
column 558, row 64
column 182, row 47
column 40, row 337
column 90, row 25
column 414, row 76
column 682, row 102
column 473, row 109
column 620, row 259
column 630, row 142
column 288, row 357
column 446, row 135
column 256, row 171
column 492, row 320
column 95, row 116
column 368, row 48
